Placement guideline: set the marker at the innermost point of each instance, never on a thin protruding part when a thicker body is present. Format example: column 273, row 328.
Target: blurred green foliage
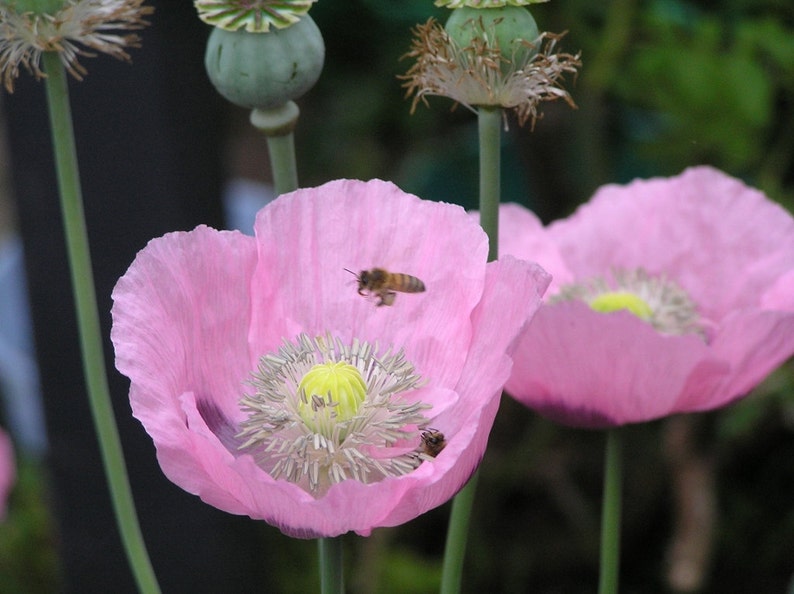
column 708, row 89
column 28, row 556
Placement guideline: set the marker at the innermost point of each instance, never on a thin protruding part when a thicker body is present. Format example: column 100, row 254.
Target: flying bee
column 385, row 284
column 433, row 442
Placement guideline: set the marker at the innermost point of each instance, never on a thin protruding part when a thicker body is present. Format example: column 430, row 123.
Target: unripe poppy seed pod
column 510, row 28
column 265, row 70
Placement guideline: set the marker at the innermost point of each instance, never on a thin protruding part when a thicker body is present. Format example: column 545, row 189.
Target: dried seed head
column 25, row 34
column 481, row 74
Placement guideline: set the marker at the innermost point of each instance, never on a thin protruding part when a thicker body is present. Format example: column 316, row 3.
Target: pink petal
column 754, row 343
column 181, row 316
column 361, row 225
column 780, row 295
column 588, row 369
column 7, row 471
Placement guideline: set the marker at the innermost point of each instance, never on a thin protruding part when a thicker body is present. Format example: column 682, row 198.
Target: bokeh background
column 664, row 85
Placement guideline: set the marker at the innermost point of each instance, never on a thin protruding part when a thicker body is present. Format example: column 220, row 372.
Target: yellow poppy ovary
column 620, row 300
column 329, row 393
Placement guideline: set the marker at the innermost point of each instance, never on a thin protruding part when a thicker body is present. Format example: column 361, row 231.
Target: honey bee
column 385, row 284
column 433, row 442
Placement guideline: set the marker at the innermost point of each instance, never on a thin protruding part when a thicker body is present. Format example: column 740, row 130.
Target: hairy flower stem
column 489, row 121
column 610, row 515
column 88, row 321
column 331, row 580
column 278, row 125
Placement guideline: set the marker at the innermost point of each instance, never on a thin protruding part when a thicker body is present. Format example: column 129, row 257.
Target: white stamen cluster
column 378, row 439
column 672, row 310
column 91, row 23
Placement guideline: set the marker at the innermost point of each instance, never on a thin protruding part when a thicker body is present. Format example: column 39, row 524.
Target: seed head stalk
column 88, row 322
column 283, row 162
column 331, row 577
column 611, row 515
column 278, row 125
column 489, row 121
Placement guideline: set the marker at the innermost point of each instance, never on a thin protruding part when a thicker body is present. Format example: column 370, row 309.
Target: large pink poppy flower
column 272, row 388
column 7, row 471
column 698, row 274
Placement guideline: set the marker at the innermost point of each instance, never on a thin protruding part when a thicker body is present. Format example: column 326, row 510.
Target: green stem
column 489, row 121
column 331, row 579
column 610, row 515
column 278, row 125
column 457, row 534
column 88, row 321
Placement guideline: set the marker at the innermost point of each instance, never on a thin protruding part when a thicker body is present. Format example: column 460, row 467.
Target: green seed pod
column 510, row 28
column 265, row 70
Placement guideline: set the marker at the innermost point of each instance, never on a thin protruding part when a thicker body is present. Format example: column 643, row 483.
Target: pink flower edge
column 7, row 472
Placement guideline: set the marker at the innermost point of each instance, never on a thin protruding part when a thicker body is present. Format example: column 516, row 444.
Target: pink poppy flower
column 669, row 296
column 7, row 471
column 271, row 388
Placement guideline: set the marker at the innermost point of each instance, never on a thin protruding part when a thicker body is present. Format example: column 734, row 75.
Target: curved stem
column 331, row 578
column 489, row 121
column 278, row 125
column 610, row 515
column 88, row 322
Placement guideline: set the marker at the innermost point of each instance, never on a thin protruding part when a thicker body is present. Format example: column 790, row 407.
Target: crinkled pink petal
column 754, row 343
column 596, row 370
column 7, row 471
column 196, row 310
column 181, row 317
column 392, row 230
column 780, row 295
